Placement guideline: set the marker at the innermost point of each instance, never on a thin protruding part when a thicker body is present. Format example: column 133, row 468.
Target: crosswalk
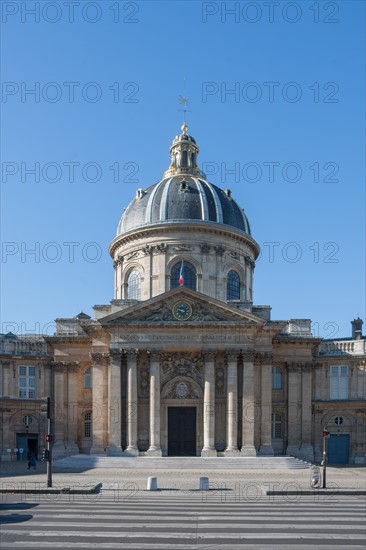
column 192, row 520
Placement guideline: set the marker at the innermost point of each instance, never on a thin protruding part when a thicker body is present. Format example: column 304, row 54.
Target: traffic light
column 45, row 454
column 49, row 438
column 326, row 433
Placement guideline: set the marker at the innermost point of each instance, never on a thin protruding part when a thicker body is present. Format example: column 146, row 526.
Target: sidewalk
column 16, row 475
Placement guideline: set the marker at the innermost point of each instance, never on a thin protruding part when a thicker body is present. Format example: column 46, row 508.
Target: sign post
column 324, row 463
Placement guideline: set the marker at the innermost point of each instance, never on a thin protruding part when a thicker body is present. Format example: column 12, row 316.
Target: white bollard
column 152, row 484
column 204, row 484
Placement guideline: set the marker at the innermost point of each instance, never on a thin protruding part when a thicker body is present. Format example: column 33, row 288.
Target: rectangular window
column 27, row 382
column 276, row 378
column 339, row 382
column 276, row 426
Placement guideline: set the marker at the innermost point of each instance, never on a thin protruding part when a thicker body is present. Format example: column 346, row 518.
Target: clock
column 182, row 311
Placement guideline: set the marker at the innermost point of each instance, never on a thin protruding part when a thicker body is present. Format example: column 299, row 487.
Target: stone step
column 178, row 463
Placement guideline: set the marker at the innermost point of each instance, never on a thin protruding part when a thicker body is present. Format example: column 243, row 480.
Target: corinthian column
column 114, row 408
column 266, row 405
column 248, row 448
column 154, row 449
column 209, row 406
column 132, row 404
column 232, row 405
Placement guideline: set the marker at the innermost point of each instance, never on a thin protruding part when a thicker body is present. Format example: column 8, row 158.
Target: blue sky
column 105, row 111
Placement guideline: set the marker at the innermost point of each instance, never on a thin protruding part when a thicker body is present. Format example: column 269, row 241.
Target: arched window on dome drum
column 190, row 276
column 134, row 285
column 184, row 159
column 233, row 286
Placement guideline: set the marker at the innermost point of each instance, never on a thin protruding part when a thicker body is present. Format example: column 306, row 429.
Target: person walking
column 32, row 462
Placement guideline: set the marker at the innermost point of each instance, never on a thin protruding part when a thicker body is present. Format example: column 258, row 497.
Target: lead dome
column 183, row 195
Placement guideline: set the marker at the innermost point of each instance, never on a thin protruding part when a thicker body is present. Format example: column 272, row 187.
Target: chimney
column 357, row 328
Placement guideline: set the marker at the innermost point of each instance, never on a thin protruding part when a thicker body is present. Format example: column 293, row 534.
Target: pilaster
column 114, row 403
column 266, row 405
column 100, row 362
column 248, row 448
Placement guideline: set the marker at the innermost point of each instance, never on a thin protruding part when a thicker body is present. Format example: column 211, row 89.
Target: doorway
column 338, row 449
column 182, row 431
column 27, row 443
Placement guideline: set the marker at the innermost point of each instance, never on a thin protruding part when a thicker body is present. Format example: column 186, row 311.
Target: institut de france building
column 181, row 362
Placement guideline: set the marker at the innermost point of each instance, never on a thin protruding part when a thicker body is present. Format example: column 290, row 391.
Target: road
column 140, row 520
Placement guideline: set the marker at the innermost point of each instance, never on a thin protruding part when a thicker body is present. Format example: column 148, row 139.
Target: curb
column 95, row 490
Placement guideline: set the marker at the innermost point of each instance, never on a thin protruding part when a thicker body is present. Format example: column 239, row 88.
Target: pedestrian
column 32, row 462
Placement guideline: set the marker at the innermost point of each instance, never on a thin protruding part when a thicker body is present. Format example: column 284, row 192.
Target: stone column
column 155, row 448
column 114, row 403
column 248, row 448
column 232, row 405
column 266, row 405
column 294, row 409
column 99, row 367
column 306, row 449
column 72, row 408
column 132, row 403
column 209, row 406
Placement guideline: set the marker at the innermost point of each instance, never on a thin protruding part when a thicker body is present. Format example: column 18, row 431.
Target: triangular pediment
column 160, row 309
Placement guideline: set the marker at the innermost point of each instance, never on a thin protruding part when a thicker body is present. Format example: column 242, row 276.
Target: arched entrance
column 181, row 421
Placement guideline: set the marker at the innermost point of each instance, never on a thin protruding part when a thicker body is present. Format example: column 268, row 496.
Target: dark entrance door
column 338, row 449
column 27, row 443
column 182, row 431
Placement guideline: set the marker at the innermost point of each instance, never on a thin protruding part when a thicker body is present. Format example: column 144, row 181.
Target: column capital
column 99, row 358
column 248, row 356
column 232, row 355
column 264, row 358
column 115, row 353
column 209, row 355
column 299, row 367
column 155, row 354
column 131, row 353
column 71, row 366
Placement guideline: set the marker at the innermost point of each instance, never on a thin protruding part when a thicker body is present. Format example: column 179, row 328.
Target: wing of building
column 181, row 362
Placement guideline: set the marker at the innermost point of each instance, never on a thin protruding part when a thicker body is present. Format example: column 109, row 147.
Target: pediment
column 160, row 310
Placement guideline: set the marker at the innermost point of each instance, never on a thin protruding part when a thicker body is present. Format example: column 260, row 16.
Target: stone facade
column 196, row 369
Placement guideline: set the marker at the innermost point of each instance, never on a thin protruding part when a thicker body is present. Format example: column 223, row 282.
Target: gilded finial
column 184, row 128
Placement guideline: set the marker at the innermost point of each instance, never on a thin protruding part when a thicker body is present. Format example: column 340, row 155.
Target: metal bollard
column 152, row 484
column 204, row 484
column 314, row 477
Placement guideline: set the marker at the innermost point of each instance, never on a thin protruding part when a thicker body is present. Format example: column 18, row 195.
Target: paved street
column 222, row 519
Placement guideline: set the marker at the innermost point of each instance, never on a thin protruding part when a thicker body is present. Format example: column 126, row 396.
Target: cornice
column 211, row 228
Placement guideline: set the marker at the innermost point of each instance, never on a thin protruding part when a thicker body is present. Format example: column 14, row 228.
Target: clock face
column 182, row 311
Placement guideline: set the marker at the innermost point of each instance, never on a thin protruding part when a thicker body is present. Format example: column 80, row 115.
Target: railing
column 336, row 348
column 23, row 347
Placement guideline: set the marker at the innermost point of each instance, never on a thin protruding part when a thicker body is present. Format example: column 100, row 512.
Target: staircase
column 87, row 462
